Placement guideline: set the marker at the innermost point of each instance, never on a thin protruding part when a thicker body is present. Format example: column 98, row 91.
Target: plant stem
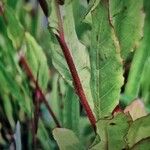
column 76, row 80
column 30, row 75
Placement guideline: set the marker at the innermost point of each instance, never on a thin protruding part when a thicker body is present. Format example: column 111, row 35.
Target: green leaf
column 43, row 137
column 37, row 61
column 142, row 145
column 140, row 57
column 112, row 132
column 14, row 83
column 128, row 18
column 14, row 29
column 71, row 110
column 139, row 130
column 56, row 101
column 106, row 63
column 8, row 108
column 145, row 85
column 66, row 139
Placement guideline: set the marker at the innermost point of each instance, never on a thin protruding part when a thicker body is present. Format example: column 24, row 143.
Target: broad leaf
column 66, row 139
column 106, row 63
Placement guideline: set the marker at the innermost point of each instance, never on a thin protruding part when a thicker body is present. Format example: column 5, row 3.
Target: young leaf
column 66, row 139
column 106, row 63
column 127, row 18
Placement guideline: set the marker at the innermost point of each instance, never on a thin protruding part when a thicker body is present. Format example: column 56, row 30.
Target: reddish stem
column 117, row 110
column 76, row 80
column 72, row 68
column 30, row 75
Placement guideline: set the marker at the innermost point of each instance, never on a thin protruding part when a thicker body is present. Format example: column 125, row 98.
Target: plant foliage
column 74, row 74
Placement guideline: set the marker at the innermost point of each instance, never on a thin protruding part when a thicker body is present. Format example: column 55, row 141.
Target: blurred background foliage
column 23, row 29
column 17, row 91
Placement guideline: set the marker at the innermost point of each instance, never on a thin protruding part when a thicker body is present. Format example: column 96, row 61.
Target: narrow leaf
column 140, row 57
column 14, row 29
column 37, row 61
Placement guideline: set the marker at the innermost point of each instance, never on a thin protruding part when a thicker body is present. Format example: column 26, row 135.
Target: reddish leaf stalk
column 30, row 75
column 76, row 80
